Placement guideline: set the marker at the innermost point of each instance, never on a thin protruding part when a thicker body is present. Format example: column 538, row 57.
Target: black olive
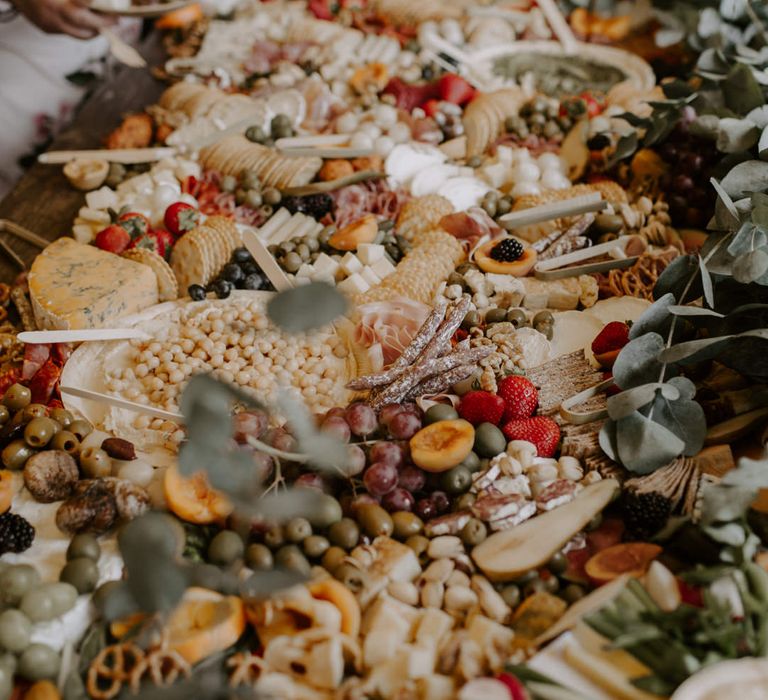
column 196, row 292
column 222, row 288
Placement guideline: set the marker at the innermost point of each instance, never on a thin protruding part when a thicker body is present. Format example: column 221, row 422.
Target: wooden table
column 43, row 201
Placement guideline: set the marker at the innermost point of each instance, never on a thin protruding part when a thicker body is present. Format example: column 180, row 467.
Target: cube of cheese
column 436, row 687
column 325, row 264
column 417, row 661
column 369, row 253
column 72, row 286
column 354, row 284
column 102, row 198
column 350, row 264
column 306, row 270
column 383, row 268
column 370, row 276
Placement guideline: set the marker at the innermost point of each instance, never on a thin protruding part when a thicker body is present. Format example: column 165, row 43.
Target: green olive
column 572, row 593
column 406, row 524
column 374, row 520
column 538, row 585
column 15, row 581
column 226, row 548
column 551, row 584
column 17, row 397
column 495, row 316
column 6, row 680
column 517, row 317
column 471, row 462
column 558, row 564
column 353, row 578
column 255, row 134
column 228, row 183
column 271, row 196
column 40, row 431
column 66, row 442
column 274, row 537
column 438, row 412
column 465, row 501
column 253, row 199
column 15, row 631
column 333, row 557
column 511, row 595
column 543, row 317
column 259, row 557
column 297, row 529
column 63, row 417
column 48, row 600
column 82, row 573
column 471, row 320
column 344, row 534
column 504, row 206
column 489, row 440
column 474, row 532
column 8, row 663
column 418, row 543
column 95, row 462
column 39, row 662
column 207, row 576
column 315, row 546
column 102, row 593
column 5, row 414
column 526, row 578
column 16, row 453
column 34, row 410
column 455, row 278
column 457, row 480
column 608, row 223
column 327, row 512
column 84, row 545
column 292, row 558
column 81, row 428
column 292, row 262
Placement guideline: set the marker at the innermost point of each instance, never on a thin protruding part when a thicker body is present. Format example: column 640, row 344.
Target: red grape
column 388, row 413
column 441, row 501
column 249, row 424
column 337, row 427
column 355, row 461
column 310, row 480
column 425, row 509
column 398, row 499
column 264, row 465
column 336, row 412
column 280, row 439
column 362, row 419
column 412, row 478
column 380, row 478
column 404, row 426
column 682, row 183
column 411, row 408
column 362, row 499
column 389, row 452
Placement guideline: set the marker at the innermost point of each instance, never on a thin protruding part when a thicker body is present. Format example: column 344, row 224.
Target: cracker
column 166, row 280
column 188, row 262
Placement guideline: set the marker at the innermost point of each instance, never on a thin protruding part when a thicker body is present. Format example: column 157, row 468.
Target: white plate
column 146, row 11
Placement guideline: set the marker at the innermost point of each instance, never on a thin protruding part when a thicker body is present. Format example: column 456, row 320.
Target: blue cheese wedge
column 75, row 286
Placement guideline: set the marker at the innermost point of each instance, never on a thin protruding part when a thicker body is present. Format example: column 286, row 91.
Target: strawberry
column 159, row 242
column 516, row 688
column 453, row 88
column 181, row 217
column 431, row 107
column 520, row 397
column 114, row 239
column 481, row 407
column 136, row 224
column 609, row 342
column 542, row 431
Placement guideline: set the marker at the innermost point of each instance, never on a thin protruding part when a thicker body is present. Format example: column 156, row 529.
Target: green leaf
column 725, row 197
column 745, row 178
column 637, row 362
column 744, row 239
column 693, row 311
column 706, row 283
column 685, row 387
column 741, row 91
column 750, row 266
column 304, row 308
column 643, row 445
column 625, row 147
column 684, row 351
column 631, row 400
column 675, row 279
column 656, row 318
column 735, row 135
column 731, row 534
column 290, row 503
column 264, row 583
column 607, row 440
column 760, row 215
column 684, row 418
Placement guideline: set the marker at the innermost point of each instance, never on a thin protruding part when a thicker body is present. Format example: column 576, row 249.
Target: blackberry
column 508, row 250
column 314, row 205
column 645, row 513
column 16, row 533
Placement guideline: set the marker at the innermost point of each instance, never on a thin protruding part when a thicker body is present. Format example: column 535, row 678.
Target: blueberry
column 196, row 292
column 253, row 281
column 222, row 288
column 232, row 273
column 249, row 268
column 241, row 255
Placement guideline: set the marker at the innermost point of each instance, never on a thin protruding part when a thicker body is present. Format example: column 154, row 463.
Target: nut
column 432, row 594
column 439, row 570
column 445, row 546
column 458, row 578
column 459, row 598
column 117, row 448
column 569, row 468
column 131, row 500
column 50, row 475
column 404, row 591
column 91, row 508
column 491, row 602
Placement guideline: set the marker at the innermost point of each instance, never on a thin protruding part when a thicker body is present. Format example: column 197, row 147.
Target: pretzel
column 112, row 667
column 246, row 669
column 164, row 666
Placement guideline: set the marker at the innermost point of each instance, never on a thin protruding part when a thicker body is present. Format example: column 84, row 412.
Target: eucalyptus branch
column 274, row 452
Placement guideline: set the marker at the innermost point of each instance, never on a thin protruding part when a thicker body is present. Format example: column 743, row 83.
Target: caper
column 250, row 180
column 327, row 512
column 512, row 124
column 38, row 662
column 17, row 397
column 271, row 196
column 48, row 600
column 344, row 534
column 374, row 520
column 418, row 543
column 16, row 453
column 551, row 584
column 456, row 480
column 474, row 532
column 274, row 537
column 324, row 236
column 39, row 432
column 504, row 206
column 8, row 663
column 34, row 410
column 253, row 199
column 572, row 593
column 464, row 502
column 315, row 546
column 225, row 548
column 543, row 317
column 15, row 631
column 259, row 557
column 240, row 196
column 228, row 183
column 558, row 563
column 537, row 585
column 255, row 134
column 471, row 320
column 312, row 244
column 103, row 592
column 495, row 316
column 511, row 595
column 280, row 121
column 95, row 462
column 82, row 573
column 438, row 412
column 292, row 262
column 84, row 545
column 291, row 557
column 63, row 417
column 297, row 529
column 16, row 581
column 406, row 524
column 66, row 442
column 5, row 414
column 517, row 317
column 352, row 577
column 81, row 429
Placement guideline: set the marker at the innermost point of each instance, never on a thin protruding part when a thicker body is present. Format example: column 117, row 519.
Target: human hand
column 71, row 17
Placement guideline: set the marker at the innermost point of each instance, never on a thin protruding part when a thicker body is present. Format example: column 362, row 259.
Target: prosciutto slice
column 470, row 226
column 390, row 324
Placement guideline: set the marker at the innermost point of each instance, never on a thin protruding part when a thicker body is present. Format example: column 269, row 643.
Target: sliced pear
column 509, row 554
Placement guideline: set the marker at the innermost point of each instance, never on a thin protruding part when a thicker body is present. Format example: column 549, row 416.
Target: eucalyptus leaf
column 749, row 473
column 684, row 351
column 675, row 278
column 693, row 311
column 290, row 503
column 684, row 418
column 637, row 362
column 625, row 147
column 749, row 176
column 706, row 283
column 607, row 440
column 731, row 534
column 750, row 266
column 762, row 145
column 760, row 216
column 656, row 318
column 744, row 239
column 684, row 386
column 725, row 198
column 735, row 135
column 306, row 307
column 741, row 90
column 626, row 402
column 643, row 445
column 724, row 503
column 264, row 583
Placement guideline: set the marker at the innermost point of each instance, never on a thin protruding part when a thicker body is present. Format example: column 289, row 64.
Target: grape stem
column 274, row 452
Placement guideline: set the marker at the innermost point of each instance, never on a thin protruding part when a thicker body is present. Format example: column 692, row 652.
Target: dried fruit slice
column 193, row 499
column 351, row 236
column 203, row 623
column 631, row 558
column 442, row 445
column 6, row 489
column 517, row 268
column 337, row 593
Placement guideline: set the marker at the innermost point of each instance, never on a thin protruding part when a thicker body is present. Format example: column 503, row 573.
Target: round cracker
column 188, row 262
column 166, row 280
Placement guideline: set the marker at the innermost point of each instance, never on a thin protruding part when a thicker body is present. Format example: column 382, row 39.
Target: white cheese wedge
column 369, row 253
column 325, row 265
